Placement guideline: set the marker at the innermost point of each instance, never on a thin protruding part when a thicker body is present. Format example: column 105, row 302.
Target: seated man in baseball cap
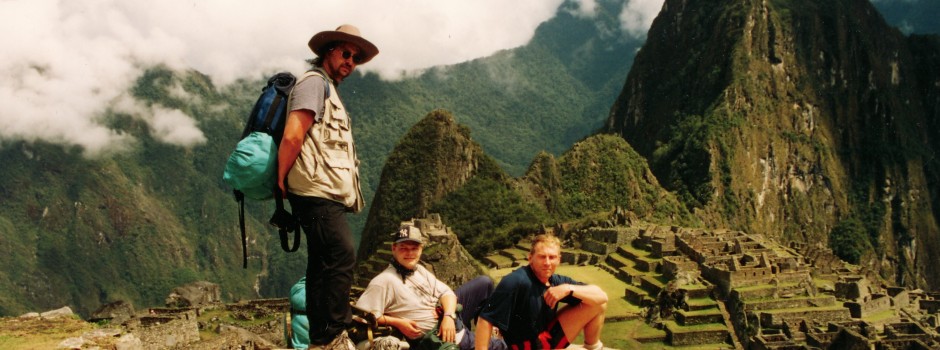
column 406, row 296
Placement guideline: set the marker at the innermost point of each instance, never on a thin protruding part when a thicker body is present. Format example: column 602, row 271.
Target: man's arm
column 589, row 294
column 448, row 329
column 295, row 129
column 483, row 332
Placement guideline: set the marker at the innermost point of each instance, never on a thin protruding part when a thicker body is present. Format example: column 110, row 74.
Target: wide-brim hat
column 348, row 33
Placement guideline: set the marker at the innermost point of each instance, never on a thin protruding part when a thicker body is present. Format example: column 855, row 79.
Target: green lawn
column 37, row 333
column 702, row 302
column 881, row 316
column 616, row 305
column 623, row 335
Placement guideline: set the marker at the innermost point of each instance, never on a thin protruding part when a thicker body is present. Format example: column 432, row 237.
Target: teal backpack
column 251, row 170
column 298, row 337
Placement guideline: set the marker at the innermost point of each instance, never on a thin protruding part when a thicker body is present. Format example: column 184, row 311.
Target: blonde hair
column 545, row 238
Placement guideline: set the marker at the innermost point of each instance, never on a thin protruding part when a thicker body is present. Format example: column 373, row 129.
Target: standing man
column 319, row 171
column 524, row 305
column 406, row 296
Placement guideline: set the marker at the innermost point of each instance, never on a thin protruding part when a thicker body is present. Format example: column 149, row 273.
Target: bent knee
column 601, row 308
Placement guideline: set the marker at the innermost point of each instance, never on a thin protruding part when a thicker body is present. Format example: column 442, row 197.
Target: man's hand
column 448, row 330
column 407, row 327
column 554, row 294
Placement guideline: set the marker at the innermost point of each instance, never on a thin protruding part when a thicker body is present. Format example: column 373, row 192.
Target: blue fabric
column 471, row 296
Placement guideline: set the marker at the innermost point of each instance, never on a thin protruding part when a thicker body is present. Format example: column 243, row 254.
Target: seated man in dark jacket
column 524, row 305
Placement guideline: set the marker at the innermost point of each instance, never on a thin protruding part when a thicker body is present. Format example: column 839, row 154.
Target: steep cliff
column 802, row 120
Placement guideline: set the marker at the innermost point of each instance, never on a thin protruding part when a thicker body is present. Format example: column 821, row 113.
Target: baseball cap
column 409, row 232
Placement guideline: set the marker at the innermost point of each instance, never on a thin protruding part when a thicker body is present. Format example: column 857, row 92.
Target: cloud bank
column 66, row 62
column 638, row 15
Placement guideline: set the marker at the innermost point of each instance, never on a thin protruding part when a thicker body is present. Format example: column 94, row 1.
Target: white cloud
column 65, row 62
column 638, row 15
column 175, row 127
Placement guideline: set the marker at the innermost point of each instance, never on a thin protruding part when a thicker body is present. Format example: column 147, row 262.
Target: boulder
column 117, row 312
column 64, row 311
column 196, row 294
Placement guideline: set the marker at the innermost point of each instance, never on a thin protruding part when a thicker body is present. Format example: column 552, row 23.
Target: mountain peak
column 788, row 118
column 435, row 157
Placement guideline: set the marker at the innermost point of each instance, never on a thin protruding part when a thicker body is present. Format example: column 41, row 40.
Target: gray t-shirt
column 414, row 299
column 309, row 94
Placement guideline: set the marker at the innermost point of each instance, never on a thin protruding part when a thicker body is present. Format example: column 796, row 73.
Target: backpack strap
column 322, row 74
column 282, row 230
column 240, row 198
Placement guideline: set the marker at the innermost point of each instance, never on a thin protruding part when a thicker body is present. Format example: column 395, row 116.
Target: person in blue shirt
column 525, row 305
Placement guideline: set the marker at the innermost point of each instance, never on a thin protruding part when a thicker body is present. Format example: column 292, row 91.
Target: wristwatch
column 451, row 315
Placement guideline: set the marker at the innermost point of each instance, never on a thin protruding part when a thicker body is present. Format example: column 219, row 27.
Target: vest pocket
column 341, row 172
column 336, row 149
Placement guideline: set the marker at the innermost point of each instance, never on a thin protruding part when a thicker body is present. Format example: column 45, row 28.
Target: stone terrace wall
column 166, row 328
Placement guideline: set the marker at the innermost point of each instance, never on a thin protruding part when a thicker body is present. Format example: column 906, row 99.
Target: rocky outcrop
column 115, row 312
column 196, row 294
column 433, row 159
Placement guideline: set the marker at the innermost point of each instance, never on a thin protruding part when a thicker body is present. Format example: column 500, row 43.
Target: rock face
column 195, row 294
column 795, row 119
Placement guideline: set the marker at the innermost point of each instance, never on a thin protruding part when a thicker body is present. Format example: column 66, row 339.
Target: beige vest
column 327, row 166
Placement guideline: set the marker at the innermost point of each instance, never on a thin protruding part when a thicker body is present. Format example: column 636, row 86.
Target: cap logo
column 403, row 233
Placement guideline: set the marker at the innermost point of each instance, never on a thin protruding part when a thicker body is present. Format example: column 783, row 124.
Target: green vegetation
column 487, row 214
column 602, row 172
column 437, row 168
column 133, row 225
column 849, row 240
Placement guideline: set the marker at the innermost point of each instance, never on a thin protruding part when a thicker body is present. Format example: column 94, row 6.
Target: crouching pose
column 410, row 298
column 524, row 305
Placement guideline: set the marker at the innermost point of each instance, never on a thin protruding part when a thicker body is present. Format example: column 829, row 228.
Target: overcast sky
column 64, row 63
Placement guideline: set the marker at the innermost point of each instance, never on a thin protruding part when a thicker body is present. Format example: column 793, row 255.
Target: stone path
column 727, row 317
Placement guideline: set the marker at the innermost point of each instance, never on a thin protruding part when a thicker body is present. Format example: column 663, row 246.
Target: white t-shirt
column 413, row 299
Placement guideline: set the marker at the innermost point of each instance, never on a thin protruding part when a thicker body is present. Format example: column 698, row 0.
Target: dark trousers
column 471, row 296
column 330, row 261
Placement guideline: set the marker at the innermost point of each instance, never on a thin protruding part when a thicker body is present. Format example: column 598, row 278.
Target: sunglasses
column 357, row 58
